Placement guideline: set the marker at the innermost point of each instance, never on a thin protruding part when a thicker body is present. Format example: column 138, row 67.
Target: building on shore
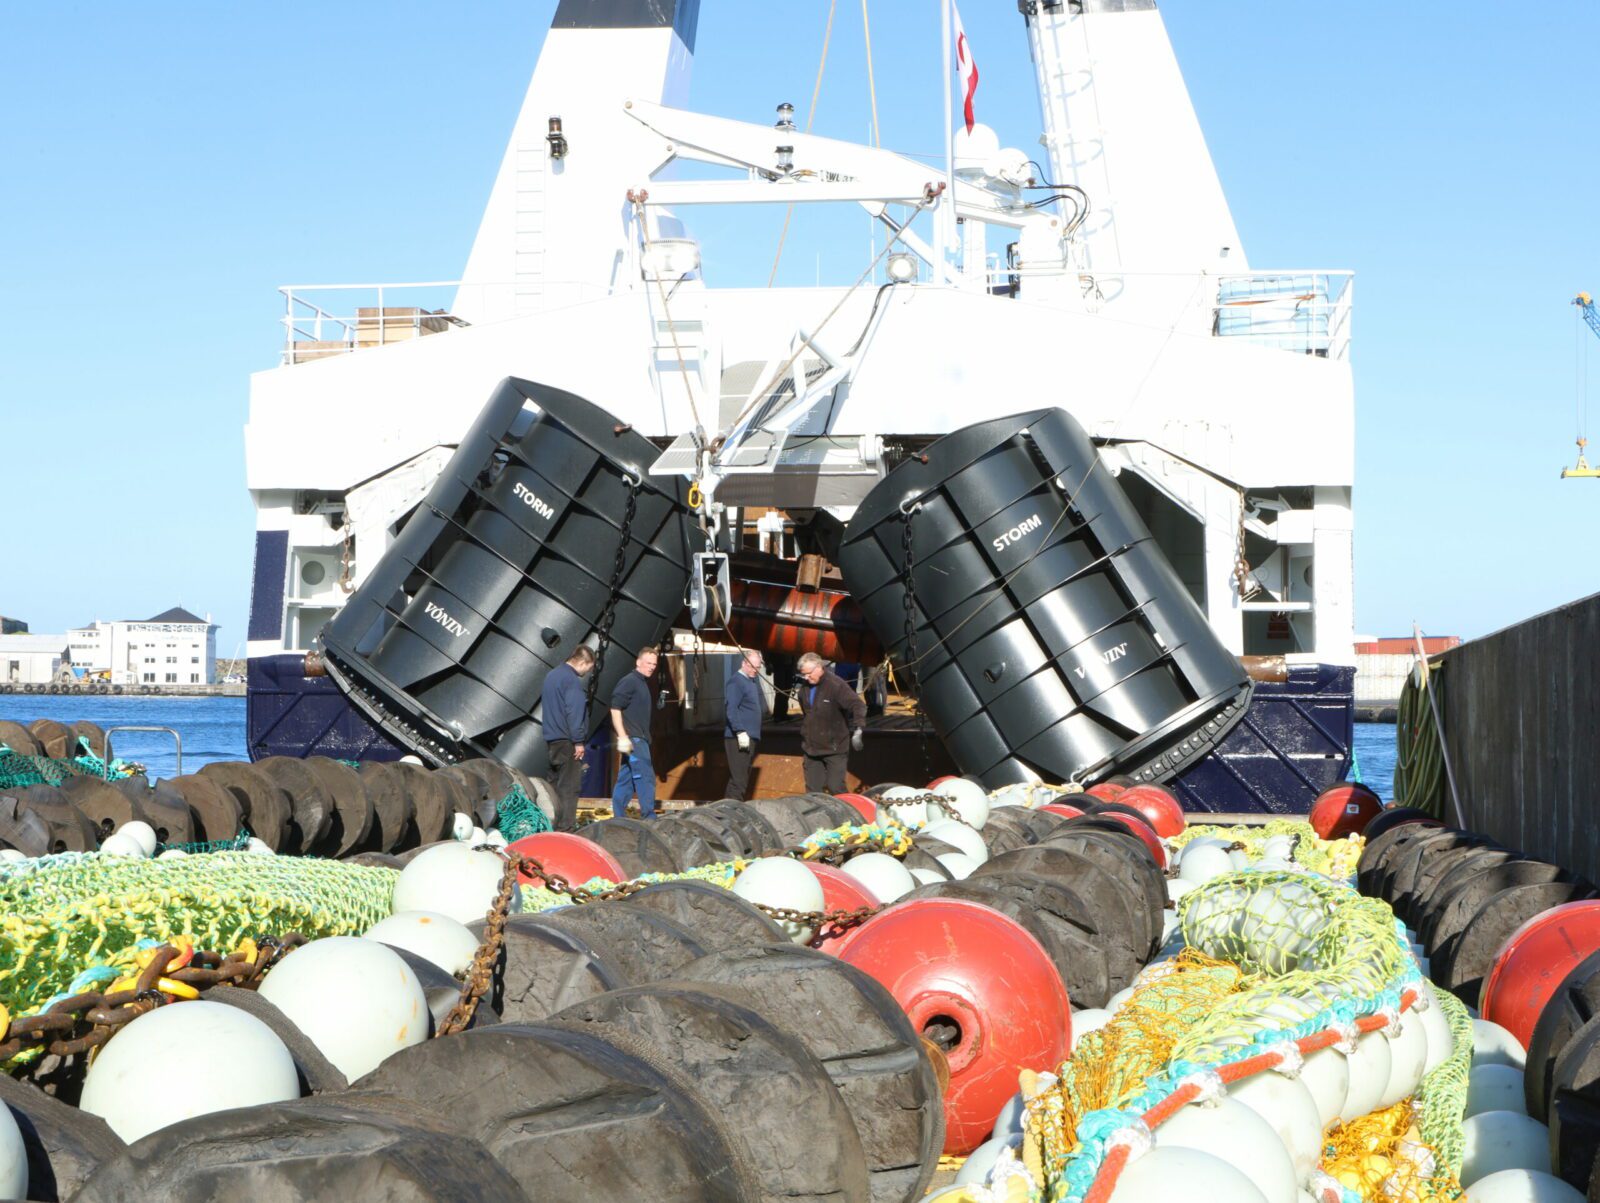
column 12, row 626
column 173, row 648
column 1382, row 665
column 33, row 659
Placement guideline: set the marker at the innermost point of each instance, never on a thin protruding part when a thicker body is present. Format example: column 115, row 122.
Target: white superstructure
column 1219, row 393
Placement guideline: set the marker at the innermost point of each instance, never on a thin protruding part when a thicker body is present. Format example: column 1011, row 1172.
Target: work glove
column 856, row 739
column 624, row 745
column 743, row 740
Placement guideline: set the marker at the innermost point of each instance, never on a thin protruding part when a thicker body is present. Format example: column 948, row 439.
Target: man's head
column 646, row 662
column 582, row 660
column 750, row 665
column 809, row 666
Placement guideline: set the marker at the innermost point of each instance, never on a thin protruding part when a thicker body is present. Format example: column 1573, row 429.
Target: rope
column 816, row 91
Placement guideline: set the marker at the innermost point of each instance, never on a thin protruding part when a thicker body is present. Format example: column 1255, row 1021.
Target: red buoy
column 840, row 892
column 1532, row 963
column 979, row 986
column 572, row 856
column 1065, row 810
column 1148, row 837
column 863, row 804
column 1106, row 791
column 1158, row 805
column 1344, row 809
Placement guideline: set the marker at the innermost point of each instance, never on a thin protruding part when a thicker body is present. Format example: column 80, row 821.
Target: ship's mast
column 1118, row 123
column 554, row 231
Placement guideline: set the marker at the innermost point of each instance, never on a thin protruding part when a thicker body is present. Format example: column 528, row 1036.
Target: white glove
column 624, row 745
column 855, row 739
column 743, row 740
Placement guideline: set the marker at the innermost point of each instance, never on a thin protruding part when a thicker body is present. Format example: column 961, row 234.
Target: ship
column 1106, row 280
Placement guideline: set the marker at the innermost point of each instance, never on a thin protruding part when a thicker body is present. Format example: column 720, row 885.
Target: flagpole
column 947, row 207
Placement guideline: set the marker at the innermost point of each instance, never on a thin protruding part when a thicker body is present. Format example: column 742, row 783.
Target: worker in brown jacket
column 832, row 718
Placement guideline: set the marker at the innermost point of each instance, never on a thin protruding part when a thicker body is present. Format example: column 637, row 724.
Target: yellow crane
column 1586, row 310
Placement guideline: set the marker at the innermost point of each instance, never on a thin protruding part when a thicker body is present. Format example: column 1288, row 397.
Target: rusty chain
column 85, row 1021
column 480, row 973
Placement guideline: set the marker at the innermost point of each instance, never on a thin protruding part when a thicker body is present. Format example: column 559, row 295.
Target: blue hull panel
column 290, row 714
column 1292, row 744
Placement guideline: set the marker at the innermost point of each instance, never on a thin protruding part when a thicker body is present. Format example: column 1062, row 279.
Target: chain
column 608, row 615
column 480, row 974
column 1243, row 585
column 86, row 1020
column 345, row 584
column 909, row 603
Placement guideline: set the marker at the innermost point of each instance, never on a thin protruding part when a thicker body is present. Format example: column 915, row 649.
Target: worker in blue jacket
column 564, row 714
column 741, row 731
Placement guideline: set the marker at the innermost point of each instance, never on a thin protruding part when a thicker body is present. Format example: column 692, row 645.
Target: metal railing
column 321, row 320
column 1304, row 311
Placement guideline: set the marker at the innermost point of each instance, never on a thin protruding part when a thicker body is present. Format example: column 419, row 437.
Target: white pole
column 947, row 206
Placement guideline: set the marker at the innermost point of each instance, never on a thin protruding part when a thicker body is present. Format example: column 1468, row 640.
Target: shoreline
column 103, row 690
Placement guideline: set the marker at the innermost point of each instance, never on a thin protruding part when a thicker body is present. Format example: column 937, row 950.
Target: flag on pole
column 965, row 65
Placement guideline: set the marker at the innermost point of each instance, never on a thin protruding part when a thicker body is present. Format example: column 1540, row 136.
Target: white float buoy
column 1493, row 1045
column 140, row 833
column 455, row 880
column 1011, row 1116
column 926, row 877
column 354, row 999
column 1289, row 1110
column 461, row 826
column 495, row 838
column 962, row 800
column 1495, row 1088
column 882, row 874
column 1233, row 1132
column 1408, row 1058
column 130, row 1083
column 1114, row 1003
column 13, row 1158
column 121, row 845
column 909, row 814
column 11, row 855
column 959, row 836
column 1200, row 865
column 960, row 865
column 260, row 847
column 1369, row 1076
column 1522, row 1186
column 173, row 854
column 981, row 1160
column 1502, row 1140
column 1326, row 1074
column 435, row 938
column 1173, row 1172
column 777, row 881
column 1441, row 1041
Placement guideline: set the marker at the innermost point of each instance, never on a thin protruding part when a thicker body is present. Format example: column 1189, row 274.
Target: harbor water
column 214, row 729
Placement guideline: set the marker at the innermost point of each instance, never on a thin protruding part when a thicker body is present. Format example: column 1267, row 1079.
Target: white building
column 31, row 659
column 173, row 648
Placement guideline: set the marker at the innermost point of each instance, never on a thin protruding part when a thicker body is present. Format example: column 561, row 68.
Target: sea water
column 211, row 728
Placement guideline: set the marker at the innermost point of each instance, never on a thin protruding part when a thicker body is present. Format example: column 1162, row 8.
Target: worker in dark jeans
column 630, row 723
column 832, row 717
column 741, row 731
column 564, row 715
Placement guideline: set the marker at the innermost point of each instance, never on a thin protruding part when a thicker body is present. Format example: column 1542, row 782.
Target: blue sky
column 165, row 167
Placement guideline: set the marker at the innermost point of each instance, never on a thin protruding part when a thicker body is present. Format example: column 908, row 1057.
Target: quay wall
column 1521, row 717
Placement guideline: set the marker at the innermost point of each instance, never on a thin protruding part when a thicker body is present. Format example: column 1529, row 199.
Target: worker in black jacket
column 630, row 723
column 832, row 718
column 564, row 716
column 741, row 730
